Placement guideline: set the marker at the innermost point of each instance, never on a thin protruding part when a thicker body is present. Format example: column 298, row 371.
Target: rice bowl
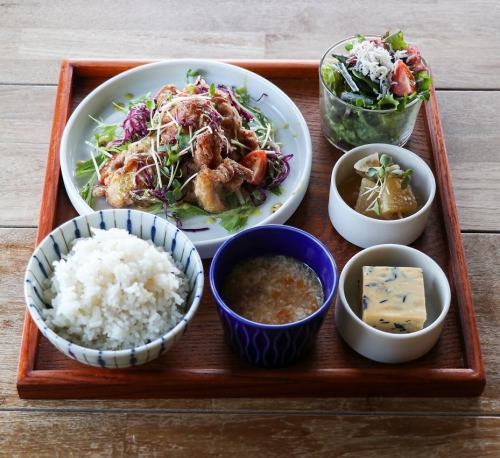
column 57, row 244
column 115, row 291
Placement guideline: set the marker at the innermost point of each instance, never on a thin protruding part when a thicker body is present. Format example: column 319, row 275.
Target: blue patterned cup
column 145, row 226
column 268, row 345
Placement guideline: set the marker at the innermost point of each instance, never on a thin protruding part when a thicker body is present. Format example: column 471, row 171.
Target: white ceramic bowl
column 380, row 345
column 295, row 138
column 143, row 225
column 364, row 231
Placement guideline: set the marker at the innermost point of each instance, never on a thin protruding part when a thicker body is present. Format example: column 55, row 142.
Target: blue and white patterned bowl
column 144, row 226
column 263, row 344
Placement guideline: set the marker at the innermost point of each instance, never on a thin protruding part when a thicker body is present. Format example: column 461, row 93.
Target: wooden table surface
column 461, row 40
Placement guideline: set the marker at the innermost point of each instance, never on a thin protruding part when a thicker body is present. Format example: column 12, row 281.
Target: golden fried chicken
column 208, row 150
column 118, row 175
column 191, row 144
column 231, row 122
column 211, row 184
column 188, row 114
column 118, row 189
column 165, row 94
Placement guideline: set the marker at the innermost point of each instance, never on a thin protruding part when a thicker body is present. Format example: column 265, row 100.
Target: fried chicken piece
column 99, row 191
column 188, row 168
column 118, row 189
column 187, row 113
column 118, row 175
column 209, row 193
column 208, row 150
column 168, row 135
column 210, row 184
column 249, row 138
column 112, row 166
column 116, row 186
column 121, row 159
column 165, row 93
column 231, row 121
column 140, row 147
column 231, row 118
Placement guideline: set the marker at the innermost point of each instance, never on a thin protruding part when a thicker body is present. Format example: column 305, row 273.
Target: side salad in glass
column 371, row 90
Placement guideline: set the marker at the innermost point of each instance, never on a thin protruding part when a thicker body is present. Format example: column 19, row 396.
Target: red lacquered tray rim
column 467, row 381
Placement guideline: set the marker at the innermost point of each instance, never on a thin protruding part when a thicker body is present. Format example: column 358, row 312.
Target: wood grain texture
column 482, row 253
column 473, row 137
column 188, row 435
column 35, row 36
column 32, row 49
column 473, row 153
column 459, row 278
column 203, row 366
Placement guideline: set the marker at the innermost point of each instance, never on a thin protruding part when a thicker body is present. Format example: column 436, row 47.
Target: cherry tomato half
column 256, row 161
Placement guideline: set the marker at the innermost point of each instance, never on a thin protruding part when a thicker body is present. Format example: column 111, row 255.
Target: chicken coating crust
column 118, row 175
column 124, row 178
column 232, row 125
column 211, row 184
column 118, row 189
column 208, row 150
column 165, row 93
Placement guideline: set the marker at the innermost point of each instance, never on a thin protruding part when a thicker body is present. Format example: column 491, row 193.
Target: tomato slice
column 403, row 81
column 256, row 161
column 414, row 60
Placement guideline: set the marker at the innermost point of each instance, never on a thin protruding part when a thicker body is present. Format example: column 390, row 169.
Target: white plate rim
column 279, row 217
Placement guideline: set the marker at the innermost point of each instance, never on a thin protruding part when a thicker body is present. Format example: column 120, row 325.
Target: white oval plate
column 292, row 133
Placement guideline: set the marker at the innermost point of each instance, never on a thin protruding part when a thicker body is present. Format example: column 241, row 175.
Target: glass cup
column 346, row 126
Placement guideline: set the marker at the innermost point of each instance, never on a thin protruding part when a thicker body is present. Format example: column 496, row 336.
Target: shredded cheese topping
column 375, row 62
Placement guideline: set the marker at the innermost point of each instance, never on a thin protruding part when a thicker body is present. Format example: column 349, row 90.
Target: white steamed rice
column 115, row 291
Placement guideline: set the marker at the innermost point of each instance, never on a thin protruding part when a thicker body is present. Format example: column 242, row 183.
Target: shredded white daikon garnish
column 98, row 148
column 193, row 138
column 192, row 177
column 172, row 118
column 154, row 156
column 144, row 168
column 95, row 165
column 266, row 138
column 373, row 61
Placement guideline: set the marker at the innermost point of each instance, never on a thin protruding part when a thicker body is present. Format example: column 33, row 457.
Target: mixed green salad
column 203, row 149
column 384, row 74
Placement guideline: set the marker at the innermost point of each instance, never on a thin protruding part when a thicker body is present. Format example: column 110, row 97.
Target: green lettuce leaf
column 185, row 211
column 397, row 41
column 423, row 80
column 333, row 79
column 359, row 100
column 236, row 218
column 276, row 190
column 387, row 100
column 83, row 168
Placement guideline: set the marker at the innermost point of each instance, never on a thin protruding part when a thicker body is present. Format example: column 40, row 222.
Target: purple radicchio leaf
column 215, row 119
column 283, row 165
column 258, row 196
column 241, row 109
column 135, row 125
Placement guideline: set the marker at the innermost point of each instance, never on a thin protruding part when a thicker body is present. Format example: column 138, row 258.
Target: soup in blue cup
column 263, row 344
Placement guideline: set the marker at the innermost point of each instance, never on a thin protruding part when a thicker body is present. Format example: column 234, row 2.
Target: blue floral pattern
column 138, row 223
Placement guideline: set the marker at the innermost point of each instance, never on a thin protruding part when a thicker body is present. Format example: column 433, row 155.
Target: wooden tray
column 202, row 365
